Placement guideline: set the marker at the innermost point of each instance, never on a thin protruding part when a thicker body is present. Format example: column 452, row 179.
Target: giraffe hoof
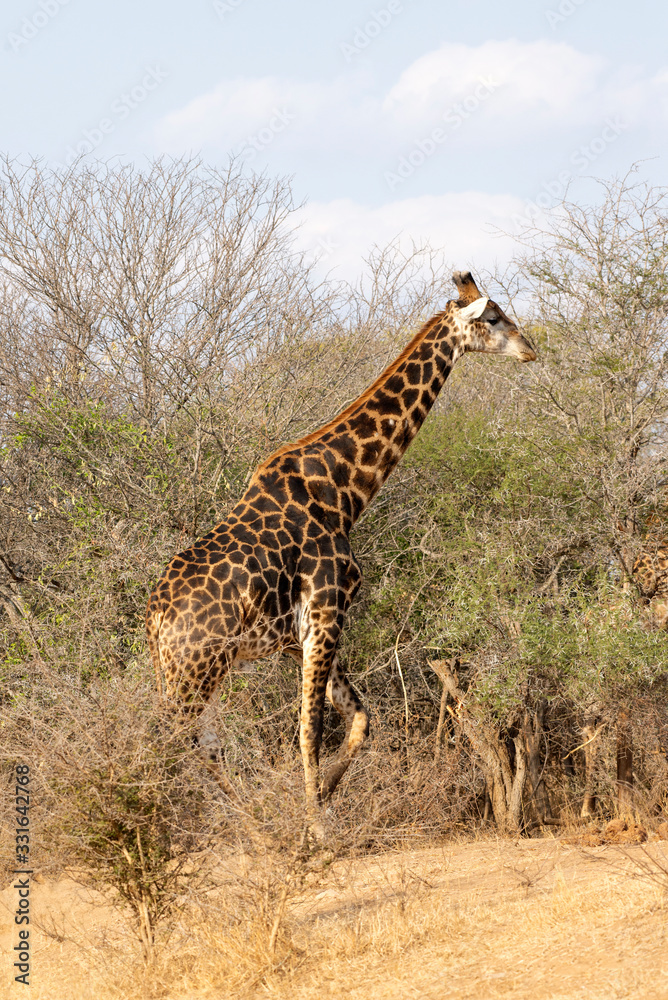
column 321, row 861
column 318, row 831
column 317, row 834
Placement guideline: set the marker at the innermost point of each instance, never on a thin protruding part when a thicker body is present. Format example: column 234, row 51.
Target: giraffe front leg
column 347, row 703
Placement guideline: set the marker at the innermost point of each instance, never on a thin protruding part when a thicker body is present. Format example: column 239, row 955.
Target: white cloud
column 532, row 88
column 320, row 115
column 464, row 227
column 231, row 111
column 535, row 113
column 547, row 80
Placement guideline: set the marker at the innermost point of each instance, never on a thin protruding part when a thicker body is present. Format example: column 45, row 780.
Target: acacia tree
column 509, row 537
column 159, row 334
column 591, row 432
column 134, row 303
column 600, row 286
column 150, row 279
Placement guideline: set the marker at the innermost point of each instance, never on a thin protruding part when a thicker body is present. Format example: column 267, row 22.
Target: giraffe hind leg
column 192, row 701
column 208, row 741
column 346, row 701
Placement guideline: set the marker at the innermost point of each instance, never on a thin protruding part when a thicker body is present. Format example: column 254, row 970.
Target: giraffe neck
column 336, row 471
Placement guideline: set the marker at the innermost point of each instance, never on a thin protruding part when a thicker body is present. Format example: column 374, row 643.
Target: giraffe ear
column 475, row 309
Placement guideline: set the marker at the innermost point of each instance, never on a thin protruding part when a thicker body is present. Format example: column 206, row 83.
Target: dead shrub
column 123, row 802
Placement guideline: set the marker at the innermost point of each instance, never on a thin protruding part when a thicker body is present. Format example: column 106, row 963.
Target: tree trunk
column 439, row 728
column 505, row 779
column 590, row 748
column 624, row 762
column 532, row 728
column 487, row 811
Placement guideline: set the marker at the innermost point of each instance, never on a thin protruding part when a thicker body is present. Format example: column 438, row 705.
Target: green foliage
column 489, row 507
column 104, row 501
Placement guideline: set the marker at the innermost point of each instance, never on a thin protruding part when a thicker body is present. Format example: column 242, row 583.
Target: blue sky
column 401, row 118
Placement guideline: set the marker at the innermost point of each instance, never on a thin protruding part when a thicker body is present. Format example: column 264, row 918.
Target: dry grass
column 483, row 920
column 378, row 914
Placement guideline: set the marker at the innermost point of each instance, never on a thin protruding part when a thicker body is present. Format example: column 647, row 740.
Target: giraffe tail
column 154, row 616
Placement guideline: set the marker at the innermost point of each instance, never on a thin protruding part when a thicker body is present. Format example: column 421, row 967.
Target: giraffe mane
column 391, row 369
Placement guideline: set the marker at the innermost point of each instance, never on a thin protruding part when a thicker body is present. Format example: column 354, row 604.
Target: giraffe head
column 484, row 325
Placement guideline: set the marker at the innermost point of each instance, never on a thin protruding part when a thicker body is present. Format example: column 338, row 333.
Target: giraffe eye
column 493, row 321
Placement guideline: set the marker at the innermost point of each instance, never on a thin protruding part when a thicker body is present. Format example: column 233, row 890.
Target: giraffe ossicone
column 278, row 573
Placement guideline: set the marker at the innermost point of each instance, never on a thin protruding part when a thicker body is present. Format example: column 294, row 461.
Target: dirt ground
column 538, row 919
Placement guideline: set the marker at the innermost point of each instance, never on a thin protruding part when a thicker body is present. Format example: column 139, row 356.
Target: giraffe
column 279, row 573
column 650, row 573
